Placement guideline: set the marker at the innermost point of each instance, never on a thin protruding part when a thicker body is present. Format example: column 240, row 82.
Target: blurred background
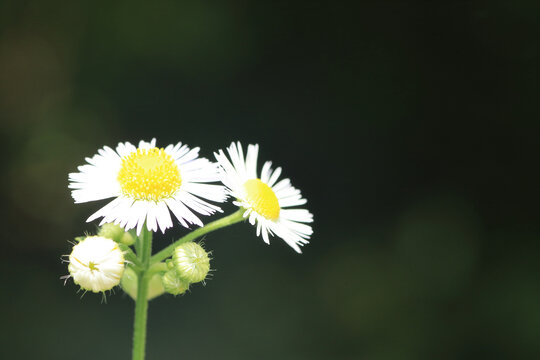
column 411, row 127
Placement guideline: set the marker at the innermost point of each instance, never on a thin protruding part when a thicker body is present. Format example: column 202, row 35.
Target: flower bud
column 96, row 264
column 111, row 231
column 116, row 233
column 191, row 262
column 127, row 239
column 173, row 284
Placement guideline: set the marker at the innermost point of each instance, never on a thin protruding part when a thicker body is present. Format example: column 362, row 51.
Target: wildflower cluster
column 149, row 184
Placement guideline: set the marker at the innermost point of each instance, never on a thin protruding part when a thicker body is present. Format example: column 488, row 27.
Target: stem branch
column 129, row 255
column 214, row 225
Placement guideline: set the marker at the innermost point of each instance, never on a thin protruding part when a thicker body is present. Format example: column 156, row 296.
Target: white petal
column 105, row 210
column 274, row 177
column 182, row 212
column 266, row 172
column 163, row 217
column 251, row 161
column 151, row 221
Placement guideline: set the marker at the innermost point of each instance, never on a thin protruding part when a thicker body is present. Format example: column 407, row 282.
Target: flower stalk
column 147, row 266
column 141, row 303
column 129, row 255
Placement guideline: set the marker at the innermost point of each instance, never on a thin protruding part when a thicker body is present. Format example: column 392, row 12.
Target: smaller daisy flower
column 146, row 183
column 96, row 264
column 265, row 200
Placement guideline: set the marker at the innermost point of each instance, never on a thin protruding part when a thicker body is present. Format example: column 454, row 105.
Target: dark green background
column 411, row 127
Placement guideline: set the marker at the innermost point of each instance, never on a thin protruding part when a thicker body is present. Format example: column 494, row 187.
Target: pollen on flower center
column 262, row 198
column 149, row 174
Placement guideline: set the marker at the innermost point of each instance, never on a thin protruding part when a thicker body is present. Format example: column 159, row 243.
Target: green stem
column 148, row 265
column 214, row 225
column 141, row 304
column 157, row 268
column 129, row 255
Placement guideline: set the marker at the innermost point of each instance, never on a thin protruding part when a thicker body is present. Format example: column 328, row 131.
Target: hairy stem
column 129, row 255
column 141, row 303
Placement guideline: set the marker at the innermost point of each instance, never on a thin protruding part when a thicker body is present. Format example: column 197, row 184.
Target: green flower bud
column 127, row 239
column 111, row 231
column 191, row 262
column 174, row 284
column 116, row 233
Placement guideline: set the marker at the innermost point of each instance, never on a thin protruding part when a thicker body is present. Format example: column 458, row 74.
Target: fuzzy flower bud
column 127, row 239
column 191, row 262
column 116, row 233
column 174, row 284
column 96, row 264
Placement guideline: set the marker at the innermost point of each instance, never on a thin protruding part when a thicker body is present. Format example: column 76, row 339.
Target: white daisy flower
column 266, row 201
column 96, row 264
column 147, row 182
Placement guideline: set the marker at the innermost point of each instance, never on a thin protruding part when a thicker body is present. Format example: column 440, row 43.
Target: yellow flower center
column 262, row 198
column 149, row 174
